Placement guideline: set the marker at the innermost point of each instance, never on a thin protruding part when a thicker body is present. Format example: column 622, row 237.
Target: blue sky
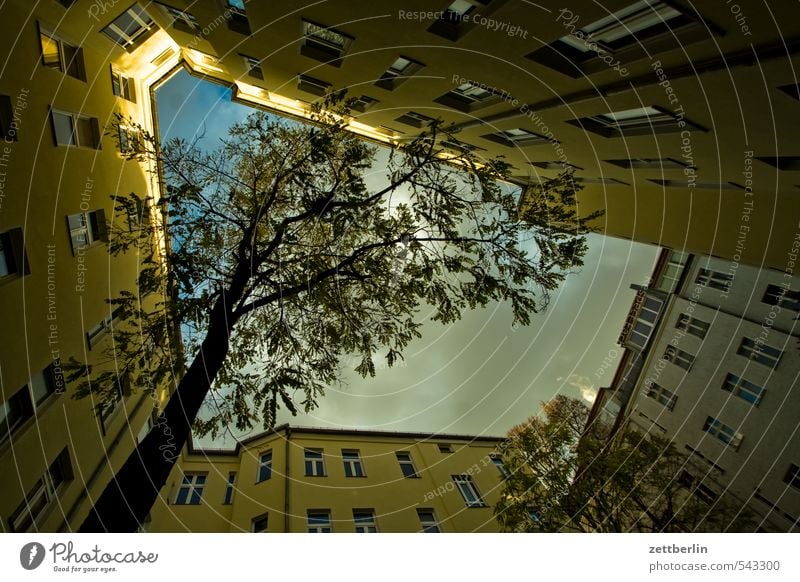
column 477, row 376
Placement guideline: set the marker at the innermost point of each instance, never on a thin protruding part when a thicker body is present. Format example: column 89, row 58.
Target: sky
column 479, row 375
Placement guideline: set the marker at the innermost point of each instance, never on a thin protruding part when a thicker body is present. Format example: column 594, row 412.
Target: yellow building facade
column 327, row 480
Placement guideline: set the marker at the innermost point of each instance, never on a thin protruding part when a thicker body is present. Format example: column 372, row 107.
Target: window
column 259, row 524
column 86, row 228
column 647, row 163
column 319, row 521
column 723, row 432
column 629, row 122
column 315, row 466
column 123, row 86
column 786, row 298
column 31, row 513
column 122, row 388
column 43, row 384
column 70, row 129
column 415, row 119
column 352, row 464
column 637, row 331
column 265, row 467
column 694, row 326
column 498, row 462
column 641, row 28
column 364, row 520
column 714, row 279
column 468, row 491
column 678, row 357
column 182, row 20
column 130, row 141
column 137, row 210
column 516, row 137
column 191, row 489
column 398, row 72
column 131, row 28
column 469, row 97
column 59, row 55
column 792, row 476
column 312, row 85
column 253, row 67
column 700, row 455
column 457, row 19
column 97, row 332
column 760, row 352
column 236, row 14
column 696, row 486
column 428, row 521
column 362, row 103
column 406, row 464
column 7, row 133
column 661, row 395
column 230, row 487
column 744, row 389
column 324, row 44
column 13, row 258
column 670, row 274
column 14, row 411
column 445, row 448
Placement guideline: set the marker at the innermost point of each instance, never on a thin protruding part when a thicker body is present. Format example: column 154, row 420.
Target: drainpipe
column 286, row 480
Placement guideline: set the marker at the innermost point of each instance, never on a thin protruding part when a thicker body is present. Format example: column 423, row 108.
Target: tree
column 281, row 261
column 566, row 476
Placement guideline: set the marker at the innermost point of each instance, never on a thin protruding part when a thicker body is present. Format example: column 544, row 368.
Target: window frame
column 45, row 490
column 323, row 525
column 777, row 295
column 75, row 67
column 655, row 391
column 690, row 325
column 679, row 357
column 145, row 30
column 760, row 353
column 254, row 523
column 190, row 490
column 352, row 463
column 369, row 525
column 723, row 432
column 744, row 389
column 405, row 463
column 264, row 472
column 314, row 467
column 714, row 279
column 392, row 78
column 618, row 124
column 315, row 45
column 431, row 525
column 13, row 255
column 469, row 491
column 122, row 86
column 230, row 488
column 74, row 120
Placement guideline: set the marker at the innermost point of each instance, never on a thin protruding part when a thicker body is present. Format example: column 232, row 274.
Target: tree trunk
column 133, row 491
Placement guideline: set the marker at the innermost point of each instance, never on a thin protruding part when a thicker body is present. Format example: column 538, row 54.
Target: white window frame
column 230, row 489
column 404, row 459
column 64, row 66
column 364, row 521
column 37, row 502
column 428, row 524
column 182, row 17
column 190, row 490
column 325, row 37
column 123, row 86
column 469, row 491
column 264, row 465
column 473, row 92
column 351, row 459
column 497, row 460
column 314, row 466
column 322, row 522
column 128, row 40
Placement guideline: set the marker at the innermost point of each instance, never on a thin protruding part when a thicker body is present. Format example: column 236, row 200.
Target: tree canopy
column 569, row 477
column 282, row 258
